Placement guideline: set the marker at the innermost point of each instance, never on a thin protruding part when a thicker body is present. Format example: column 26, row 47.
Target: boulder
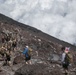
column 35, row 69
column 18, row 59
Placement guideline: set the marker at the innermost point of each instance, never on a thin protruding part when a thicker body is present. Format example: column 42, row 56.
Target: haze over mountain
column 55, row 17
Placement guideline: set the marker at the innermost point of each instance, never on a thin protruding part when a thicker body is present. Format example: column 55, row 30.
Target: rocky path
column 10, row 70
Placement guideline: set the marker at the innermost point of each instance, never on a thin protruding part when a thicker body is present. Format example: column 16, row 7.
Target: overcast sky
column 55, row 17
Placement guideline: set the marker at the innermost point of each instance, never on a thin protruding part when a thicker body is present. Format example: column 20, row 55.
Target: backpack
column 68, row 58
column 29, row 51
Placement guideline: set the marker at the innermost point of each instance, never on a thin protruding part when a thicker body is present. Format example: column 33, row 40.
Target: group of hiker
column 8, row 45
column 66, row 60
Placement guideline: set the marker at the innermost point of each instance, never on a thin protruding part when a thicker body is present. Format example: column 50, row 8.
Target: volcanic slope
column 46, row 50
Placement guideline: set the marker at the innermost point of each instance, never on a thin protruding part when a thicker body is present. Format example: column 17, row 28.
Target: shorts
column 65, row 65
column 27, row 58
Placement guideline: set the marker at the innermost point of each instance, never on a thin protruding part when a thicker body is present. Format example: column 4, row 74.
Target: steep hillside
column 46, row 53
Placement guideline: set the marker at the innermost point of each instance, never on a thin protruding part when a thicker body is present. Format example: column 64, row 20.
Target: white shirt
column 63, row 57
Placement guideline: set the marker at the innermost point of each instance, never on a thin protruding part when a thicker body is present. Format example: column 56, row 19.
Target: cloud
column 54, row 17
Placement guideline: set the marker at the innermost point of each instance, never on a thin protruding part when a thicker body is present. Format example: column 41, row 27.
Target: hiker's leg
column 26, row 60
column 6, row 62
column 66, row 71
column 64, row 67
column 29, row 59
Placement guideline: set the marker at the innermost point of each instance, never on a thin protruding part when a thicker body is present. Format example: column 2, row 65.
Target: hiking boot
column 26, row 63
column 30, row 63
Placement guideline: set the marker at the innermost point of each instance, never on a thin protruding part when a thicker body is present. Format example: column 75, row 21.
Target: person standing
column 66, row 59
column 27, row 53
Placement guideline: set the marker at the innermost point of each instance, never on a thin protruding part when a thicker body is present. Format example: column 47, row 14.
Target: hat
column 26, row 46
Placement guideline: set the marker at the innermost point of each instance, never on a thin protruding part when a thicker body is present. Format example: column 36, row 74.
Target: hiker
column 8, row 58
column 2, row 51
column 9, row 45
column 3, row 39
column 9, row 48
column 66, row 58
column 7, row 38
column 14, row 44
column 10, row 42
column 27, row 53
